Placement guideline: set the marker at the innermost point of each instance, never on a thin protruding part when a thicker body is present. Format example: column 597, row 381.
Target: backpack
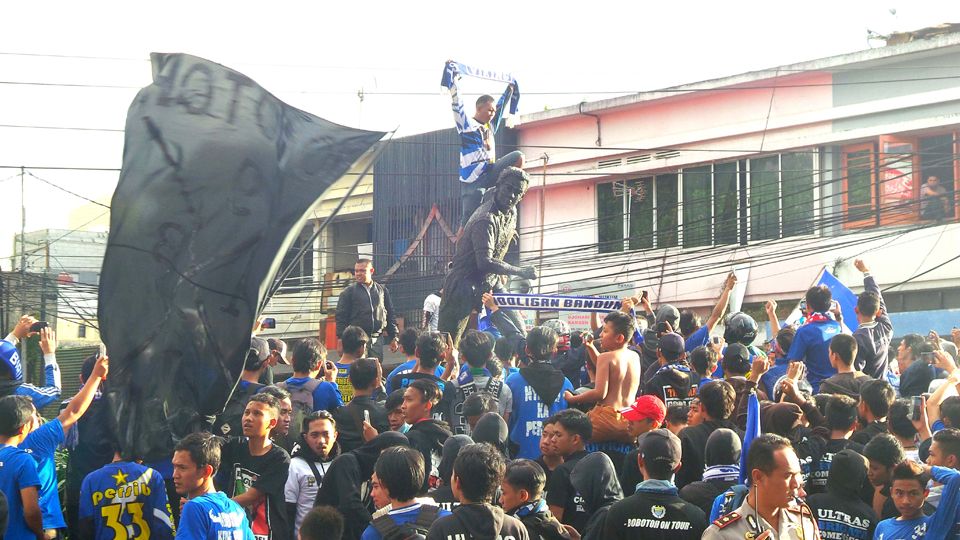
column 492, row 390
column 728, row 501
column 418, row 529
column 230, row 422
column 301, row 397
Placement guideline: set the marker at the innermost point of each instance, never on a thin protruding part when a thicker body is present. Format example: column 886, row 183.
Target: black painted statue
column 478, row 262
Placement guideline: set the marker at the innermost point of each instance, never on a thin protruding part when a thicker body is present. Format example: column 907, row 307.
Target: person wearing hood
column 656, row 502
column 841, row 418
column 785, row 419
column 344, row 485
column 521, row 496
column 595, row 479
column 443, row 495
column 317, row 448
column 537, row 391
column 571, row 431
column 426, row 434
column 722, row 457
column 673, row 381
column 492, row 428
column 716, row 406
column 477, row 473
column 840, row 512
column 667, row 319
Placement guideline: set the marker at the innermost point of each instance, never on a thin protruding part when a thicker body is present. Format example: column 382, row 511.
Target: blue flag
column 844, row 296
column 752, row 432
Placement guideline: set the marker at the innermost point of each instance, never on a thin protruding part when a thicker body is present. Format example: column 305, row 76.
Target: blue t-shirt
column 41, row 444
column 213, row 516
column 770, row 379
column 812, row 346
column 326, row 396
column 894, row 529
column 407, row 514
column 126, row 496
column 404, row 368
column 17, row 471
column 528, row 414
column 697, row 339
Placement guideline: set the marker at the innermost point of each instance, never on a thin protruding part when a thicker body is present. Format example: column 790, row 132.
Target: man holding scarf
column 479, row 166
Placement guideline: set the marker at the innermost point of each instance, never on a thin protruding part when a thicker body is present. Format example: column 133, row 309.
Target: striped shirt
column 477, row 146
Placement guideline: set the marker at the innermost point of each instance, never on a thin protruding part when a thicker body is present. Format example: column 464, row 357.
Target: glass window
column 764, row 198
column 858, row 187
column 641, row 213
column 697, row 211
column 666, row 208
column 797, row 185
column 725, row 203
column 609, row 219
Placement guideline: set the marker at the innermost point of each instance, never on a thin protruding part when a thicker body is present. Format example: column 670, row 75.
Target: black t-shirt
column 673, row 384
column 560, row 492
column 630, row 474
column 654, row 515
column 442, row 410
column 871, row 430
column 817, row 481
column 266, row 473
column 842, row 518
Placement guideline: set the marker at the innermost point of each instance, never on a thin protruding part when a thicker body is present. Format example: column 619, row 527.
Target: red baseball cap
column 646, row 406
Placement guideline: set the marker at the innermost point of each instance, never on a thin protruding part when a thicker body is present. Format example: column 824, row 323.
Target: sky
column 318, row 55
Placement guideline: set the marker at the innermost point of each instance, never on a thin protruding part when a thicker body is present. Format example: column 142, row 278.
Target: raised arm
column 722, row 301
column 487, row 263
column 771, row 308
column 80, row 402
column 503, row 323
column 459, row 115
column 502, row 105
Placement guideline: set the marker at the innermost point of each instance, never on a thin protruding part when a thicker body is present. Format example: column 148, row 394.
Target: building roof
column 923, row 43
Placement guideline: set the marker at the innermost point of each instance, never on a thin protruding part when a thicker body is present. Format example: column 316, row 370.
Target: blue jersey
column 811, row 345
column 326, row 396
column 895, row 529
column 528, row 414
column 41, row 445
column 697, row 339
column 771, row 379
column 43, row 395
column 407, row 514
column 126, row 500
column 17, row 471
column 213, row 516
column 405, row 368
column 477, row 146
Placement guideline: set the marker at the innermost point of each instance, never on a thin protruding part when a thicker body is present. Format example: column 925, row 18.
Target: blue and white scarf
column 727, row 473
column 551, row 302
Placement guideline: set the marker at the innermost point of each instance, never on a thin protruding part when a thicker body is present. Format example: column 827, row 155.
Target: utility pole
column 23, row 224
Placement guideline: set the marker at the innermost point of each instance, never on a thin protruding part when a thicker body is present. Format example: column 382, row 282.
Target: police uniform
column 745, row 523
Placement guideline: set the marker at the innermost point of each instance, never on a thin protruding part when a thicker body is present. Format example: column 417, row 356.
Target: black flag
column 218, row 178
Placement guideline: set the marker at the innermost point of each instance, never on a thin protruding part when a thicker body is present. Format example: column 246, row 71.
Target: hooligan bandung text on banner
column 549, row 302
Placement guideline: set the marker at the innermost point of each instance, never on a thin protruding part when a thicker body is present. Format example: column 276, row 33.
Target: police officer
column 772, row 509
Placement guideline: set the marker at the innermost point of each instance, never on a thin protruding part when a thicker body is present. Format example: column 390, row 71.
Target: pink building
column 781, row 171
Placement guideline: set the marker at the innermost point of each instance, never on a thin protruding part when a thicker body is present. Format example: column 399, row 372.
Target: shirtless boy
column 618, row 378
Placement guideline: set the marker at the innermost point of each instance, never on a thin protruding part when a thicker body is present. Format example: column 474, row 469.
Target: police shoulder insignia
column 727, row 519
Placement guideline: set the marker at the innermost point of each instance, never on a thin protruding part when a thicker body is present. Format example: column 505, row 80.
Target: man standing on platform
column 479, row 166
column 367, row 304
